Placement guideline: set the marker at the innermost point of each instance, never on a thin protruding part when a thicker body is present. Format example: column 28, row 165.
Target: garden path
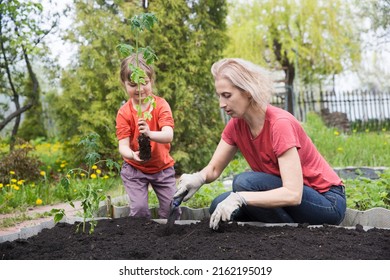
column 34, row 213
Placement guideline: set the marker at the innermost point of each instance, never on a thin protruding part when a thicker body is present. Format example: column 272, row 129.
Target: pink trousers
column 137, row 183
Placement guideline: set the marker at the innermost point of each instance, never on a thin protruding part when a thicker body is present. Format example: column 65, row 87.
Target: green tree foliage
column 188, row 38
column 313, row 37
column 21, row 44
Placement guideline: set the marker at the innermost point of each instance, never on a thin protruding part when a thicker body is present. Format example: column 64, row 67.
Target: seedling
column 139, row 24
column 92, row 194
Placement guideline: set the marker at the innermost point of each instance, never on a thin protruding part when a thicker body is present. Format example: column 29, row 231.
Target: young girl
column 290, row 183
column 158, row 172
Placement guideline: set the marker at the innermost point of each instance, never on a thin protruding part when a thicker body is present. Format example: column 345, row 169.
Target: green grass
column 354, row 149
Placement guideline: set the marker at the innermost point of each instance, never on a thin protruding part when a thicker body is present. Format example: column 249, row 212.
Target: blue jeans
column 315, row 208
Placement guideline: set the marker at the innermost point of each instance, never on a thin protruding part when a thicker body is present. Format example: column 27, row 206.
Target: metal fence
column 362, row 109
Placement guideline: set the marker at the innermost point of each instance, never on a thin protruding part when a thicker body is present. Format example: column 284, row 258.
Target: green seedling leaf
column 147, row 116
column 125, row 49
column 59, row 214
column 149, row 55
column 138, row 75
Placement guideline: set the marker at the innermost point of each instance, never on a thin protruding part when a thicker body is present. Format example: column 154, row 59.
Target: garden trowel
column 174, row 205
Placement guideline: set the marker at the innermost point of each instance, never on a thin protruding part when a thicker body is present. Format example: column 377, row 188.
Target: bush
column 21, row 162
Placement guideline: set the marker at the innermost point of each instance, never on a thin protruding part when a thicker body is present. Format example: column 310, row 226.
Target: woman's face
column 144, row 90
column 231, row 99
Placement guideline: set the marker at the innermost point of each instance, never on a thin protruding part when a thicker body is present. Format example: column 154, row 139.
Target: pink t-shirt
column 281, row 131
column 126, row 126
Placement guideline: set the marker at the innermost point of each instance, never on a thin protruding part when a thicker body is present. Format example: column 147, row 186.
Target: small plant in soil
column 139, row 24
column 92, row 194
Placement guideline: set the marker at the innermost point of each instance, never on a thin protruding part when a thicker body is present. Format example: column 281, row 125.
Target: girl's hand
column 136, row 156
column 143, row 127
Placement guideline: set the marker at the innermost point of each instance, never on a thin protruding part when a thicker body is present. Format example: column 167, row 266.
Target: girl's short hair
column 126, row 72
column 246, row 76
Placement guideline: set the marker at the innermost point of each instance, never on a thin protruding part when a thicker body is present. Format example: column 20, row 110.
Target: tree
column 187, row 39
column 313, row 37
column 21, row 42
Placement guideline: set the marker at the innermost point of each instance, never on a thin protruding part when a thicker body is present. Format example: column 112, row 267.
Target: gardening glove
column 226, row 209
column 190, row 183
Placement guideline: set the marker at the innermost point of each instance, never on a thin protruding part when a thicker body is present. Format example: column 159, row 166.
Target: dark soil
column 141, row 239
column 145, row 150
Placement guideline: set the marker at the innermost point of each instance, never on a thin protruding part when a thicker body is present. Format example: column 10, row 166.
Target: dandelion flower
column 1, row 185
column 13, row 180
column 98, row 171
column 93, row 176
column 38, row 201
column 336, row 133
column 94, row 167
column 106, row 177
column 42, row 173
column 12, row 172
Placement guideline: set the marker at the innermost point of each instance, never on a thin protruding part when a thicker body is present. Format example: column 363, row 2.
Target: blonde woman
column 290, row 181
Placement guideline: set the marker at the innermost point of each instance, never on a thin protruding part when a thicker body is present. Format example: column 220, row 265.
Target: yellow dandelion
column 336, row 133
column 106, row 177
column 42, row 173
column 93, row 176
column 20, row 182
column 62, row 165
column 38, row 201
column 13, row 180
column 12, row 172
column 98, row 171
column 94, row 167
column 15, row 187
column 82, row 174
column 67, row 176
column 1, row 185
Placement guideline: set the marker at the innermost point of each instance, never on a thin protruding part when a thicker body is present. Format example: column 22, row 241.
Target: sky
column 63, row 50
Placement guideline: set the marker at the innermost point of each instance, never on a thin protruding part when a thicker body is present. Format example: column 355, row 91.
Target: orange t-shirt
column 126, row 126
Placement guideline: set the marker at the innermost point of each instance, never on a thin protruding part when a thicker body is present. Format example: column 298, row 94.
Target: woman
column 290, row 181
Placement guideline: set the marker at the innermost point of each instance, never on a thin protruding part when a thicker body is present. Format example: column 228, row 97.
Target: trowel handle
column 177, row 201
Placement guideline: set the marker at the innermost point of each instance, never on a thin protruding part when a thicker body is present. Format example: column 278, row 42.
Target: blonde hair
column 246, row 76
column 126, row 72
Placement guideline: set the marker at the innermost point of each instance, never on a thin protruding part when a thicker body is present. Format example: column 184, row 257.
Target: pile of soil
column 141, row 239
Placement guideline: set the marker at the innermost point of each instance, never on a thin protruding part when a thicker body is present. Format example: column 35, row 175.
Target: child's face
column 144, row 90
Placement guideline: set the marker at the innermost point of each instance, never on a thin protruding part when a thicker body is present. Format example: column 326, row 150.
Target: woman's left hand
column 226, row 209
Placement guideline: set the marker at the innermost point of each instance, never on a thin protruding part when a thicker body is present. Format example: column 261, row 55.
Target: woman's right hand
column 190, row 183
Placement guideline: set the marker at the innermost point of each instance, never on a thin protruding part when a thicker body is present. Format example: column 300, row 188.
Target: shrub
column 21, row 162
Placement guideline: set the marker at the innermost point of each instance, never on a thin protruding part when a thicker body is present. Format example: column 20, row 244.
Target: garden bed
column 142, row 239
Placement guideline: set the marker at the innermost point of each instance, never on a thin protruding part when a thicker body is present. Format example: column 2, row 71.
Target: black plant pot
column 145, row 151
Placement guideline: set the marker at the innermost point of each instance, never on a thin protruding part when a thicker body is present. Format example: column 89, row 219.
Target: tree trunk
column 289, row 70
